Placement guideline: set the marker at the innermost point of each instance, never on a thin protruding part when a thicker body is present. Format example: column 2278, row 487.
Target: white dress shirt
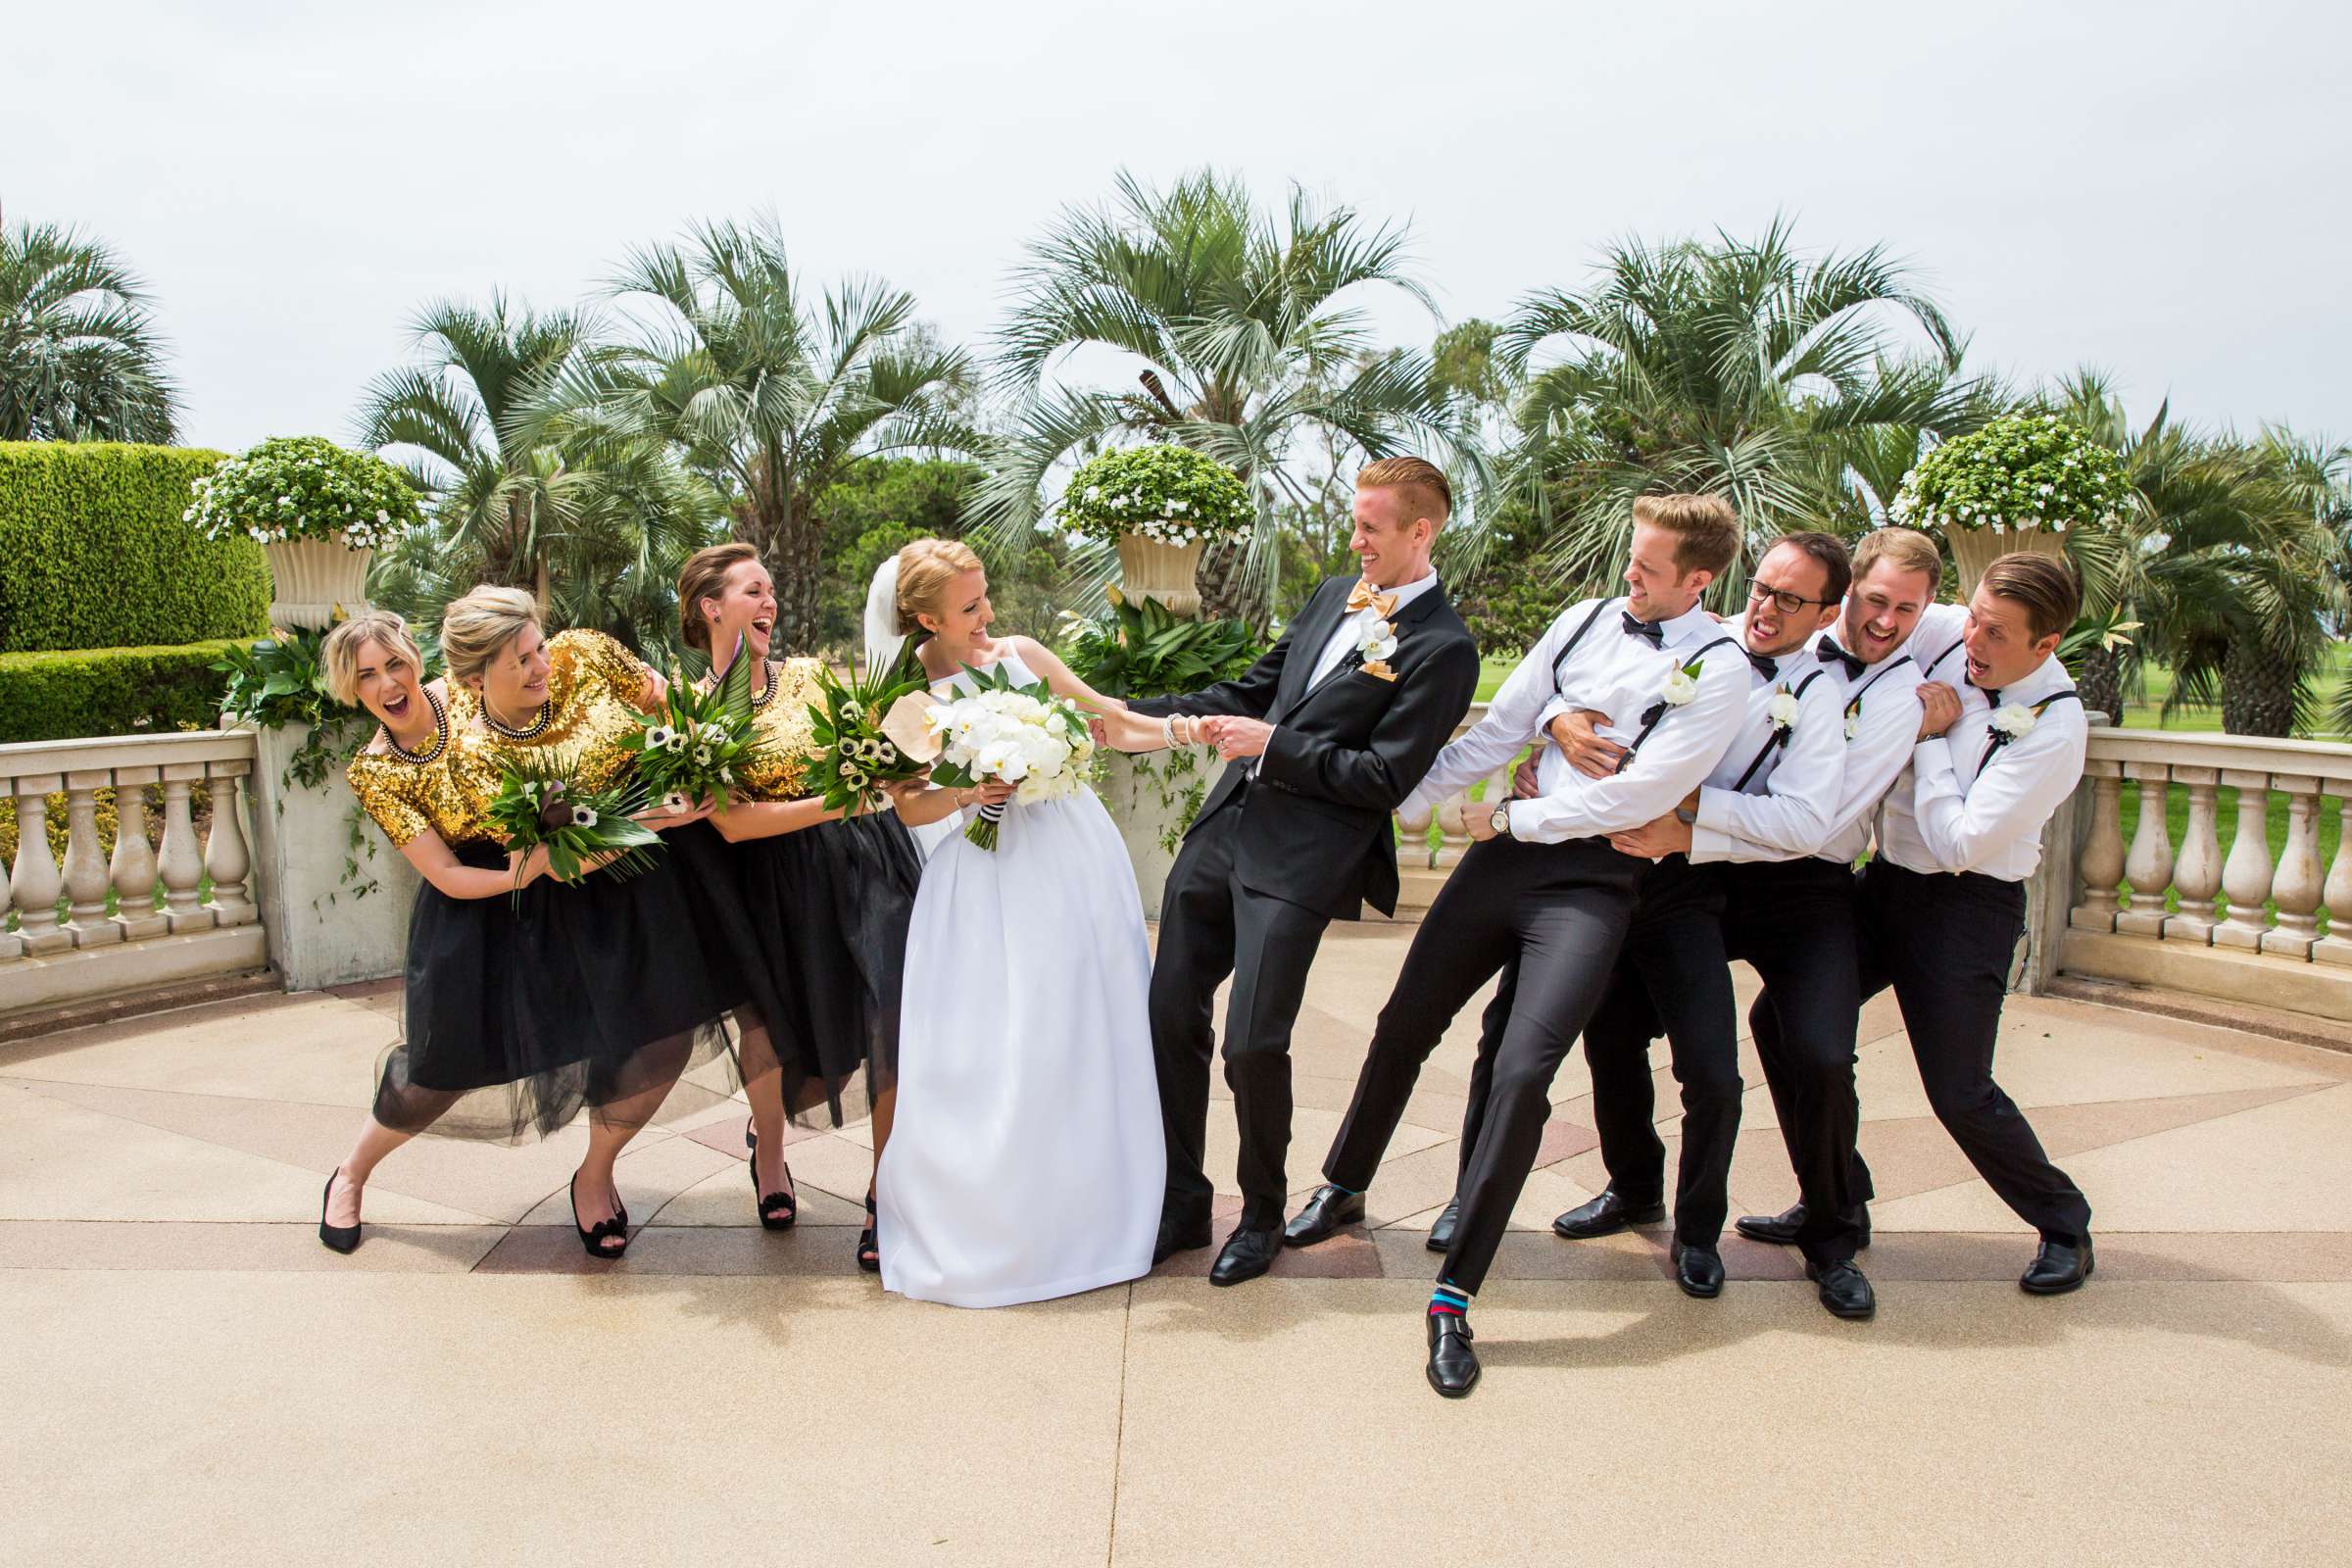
column 1614, row 672
column 1967, row 808
column 1883, row 704
column 1937, row 632
column 1767, row 800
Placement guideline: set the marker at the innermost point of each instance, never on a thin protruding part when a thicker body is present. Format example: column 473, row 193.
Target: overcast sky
column 2154, row 188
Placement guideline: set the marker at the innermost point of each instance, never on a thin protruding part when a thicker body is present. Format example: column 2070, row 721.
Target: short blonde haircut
column 705, row 577
column 925, row 569
column 340, row 652
column 1907, row 548
column 477, row 626
column 1422, row 481
column 1706, row 529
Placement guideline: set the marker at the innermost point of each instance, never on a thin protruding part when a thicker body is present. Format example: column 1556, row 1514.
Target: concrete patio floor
column 190, row 1378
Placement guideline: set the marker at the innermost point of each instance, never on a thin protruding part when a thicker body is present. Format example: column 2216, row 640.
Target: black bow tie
column 1993, row 695
column 1764, row 665
column 1635, row 627
column 1828, row 648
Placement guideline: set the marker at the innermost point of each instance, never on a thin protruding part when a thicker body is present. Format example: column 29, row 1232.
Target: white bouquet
column 1023, row 735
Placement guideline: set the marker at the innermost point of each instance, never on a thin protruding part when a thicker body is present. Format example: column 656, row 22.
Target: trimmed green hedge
column 94, row 553
column 111, row 691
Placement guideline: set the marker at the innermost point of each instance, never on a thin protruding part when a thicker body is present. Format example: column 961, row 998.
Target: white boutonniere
column 2012, row 721
column 1781, row 711
column 1679, row 684
column 1853, row 715
column 1375, row 646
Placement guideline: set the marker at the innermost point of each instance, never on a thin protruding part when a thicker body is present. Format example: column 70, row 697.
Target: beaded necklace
column 440, row 735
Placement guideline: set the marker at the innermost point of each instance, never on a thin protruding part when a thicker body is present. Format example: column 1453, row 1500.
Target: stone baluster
column 132, row 869
column 2198, row 873
column 2295, row 887
column 226, row 856
column 2102, row 849
column 37, row 883
column 2246, row 874
column 182, row 863
column 1413, row 828
column 86, row 862
column 2336, row 946
column 2150, row 868
column 11, row 946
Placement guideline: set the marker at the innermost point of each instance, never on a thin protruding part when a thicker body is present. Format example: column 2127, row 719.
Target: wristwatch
column 1687, row 817
column 1501, row 821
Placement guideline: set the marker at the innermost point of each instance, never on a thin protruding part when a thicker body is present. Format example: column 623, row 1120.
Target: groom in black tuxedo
column 1324, row 737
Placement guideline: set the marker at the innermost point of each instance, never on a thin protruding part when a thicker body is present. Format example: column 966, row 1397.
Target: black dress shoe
column 1844, row 1289
column 1247, row 1254
column 2059, row 1267
column 1452, row 1364
column 1606, row 1215
column 1780, row 1230
column 1698, row 1270
column 335, row 1238
column 1440, row 1235
column 1329, row 1211
column 1180, row 1235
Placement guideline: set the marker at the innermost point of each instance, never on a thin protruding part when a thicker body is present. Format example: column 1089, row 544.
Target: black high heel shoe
column 777, row 1210
column 593, row 1238
column 870, row 1250
column 343, row 1239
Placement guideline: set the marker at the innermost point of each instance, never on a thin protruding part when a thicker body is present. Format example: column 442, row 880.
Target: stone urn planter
column 325, row 926
column 1974, row 549
column 1169, row 573
column 1152, row 798
column 311, row 577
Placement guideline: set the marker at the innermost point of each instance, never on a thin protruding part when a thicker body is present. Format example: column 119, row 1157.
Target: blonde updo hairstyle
column 340, row 652
column 478, row 627
column 925, row 570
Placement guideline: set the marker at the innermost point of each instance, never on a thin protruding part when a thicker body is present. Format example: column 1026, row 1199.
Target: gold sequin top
column 408, row 796
column 785, row 724
column 593, row 684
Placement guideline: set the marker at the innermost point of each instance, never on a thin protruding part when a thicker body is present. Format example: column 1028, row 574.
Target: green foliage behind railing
column 110, row 691
column 94, row 552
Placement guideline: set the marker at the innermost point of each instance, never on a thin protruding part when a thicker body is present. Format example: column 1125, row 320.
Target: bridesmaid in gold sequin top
column 462, row 1038
column 832, row 898
column 643, row 986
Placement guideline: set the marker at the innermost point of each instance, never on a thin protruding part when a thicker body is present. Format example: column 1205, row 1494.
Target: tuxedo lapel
column 1323, row 616
column 1404, row 619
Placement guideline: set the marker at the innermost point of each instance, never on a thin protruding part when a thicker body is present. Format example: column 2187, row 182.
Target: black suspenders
column 1778, row 738
column 1659, row 708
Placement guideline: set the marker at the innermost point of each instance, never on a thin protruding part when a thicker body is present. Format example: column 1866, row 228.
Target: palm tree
column 2222, row 557
column 1741, row 369
column 1239, row 344
column 771, row 399
column 78, row 357
column 494, row 497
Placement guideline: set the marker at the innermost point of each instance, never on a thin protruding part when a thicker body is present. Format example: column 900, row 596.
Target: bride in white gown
column 1026, row 1160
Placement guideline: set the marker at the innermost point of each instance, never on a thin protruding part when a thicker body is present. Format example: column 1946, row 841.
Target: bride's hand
column 995, row 791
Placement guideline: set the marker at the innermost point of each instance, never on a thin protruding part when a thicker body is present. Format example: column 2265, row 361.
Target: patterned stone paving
column 191, row 1371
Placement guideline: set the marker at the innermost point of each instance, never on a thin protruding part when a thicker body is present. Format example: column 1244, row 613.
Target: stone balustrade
column 82, row 950
column 2244, row 925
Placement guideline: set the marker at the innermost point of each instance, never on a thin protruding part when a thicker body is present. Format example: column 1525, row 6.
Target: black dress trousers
column 1561, row 911
column 1945, row 943
column 1673, row 978
column 1212, row 926
column 1794, row 921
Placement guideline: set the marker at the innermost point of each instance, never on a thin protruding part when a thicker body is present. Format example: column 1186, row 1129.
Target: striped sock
column 1449, row 1301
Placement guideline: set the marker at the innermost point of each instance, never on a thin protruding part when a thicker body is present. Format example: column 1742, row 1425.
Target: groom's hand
column 1234, row 736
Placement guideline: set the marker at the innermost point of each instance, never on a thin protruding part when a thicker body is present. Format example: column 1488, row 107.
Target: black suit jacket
column 1315, row 830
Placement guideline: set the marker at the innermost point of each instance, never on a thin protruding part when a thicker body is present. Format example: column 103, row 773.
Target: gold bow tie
column 1361, row 597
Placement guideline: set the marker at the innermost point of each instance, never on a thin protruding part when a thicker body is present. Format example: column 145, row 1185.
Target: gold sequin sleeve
column 596, row 658
column 782, row 768
column 395, row 793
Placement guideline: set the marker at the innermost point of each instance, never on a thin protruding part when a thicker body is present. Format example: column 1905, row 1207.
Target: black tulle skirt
column 835, row 900
column 521, row 1013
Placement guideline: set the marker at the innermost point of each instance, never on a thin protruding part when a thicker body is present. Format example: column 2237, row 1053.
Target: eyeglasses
column 1790, row 603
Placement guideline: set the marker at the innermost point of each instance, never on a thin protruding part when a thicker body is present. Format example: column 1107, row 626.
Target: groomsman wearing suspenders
column 1942, row 902
column 1774, row 794
column 1793, row 920
column 1543, row 885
